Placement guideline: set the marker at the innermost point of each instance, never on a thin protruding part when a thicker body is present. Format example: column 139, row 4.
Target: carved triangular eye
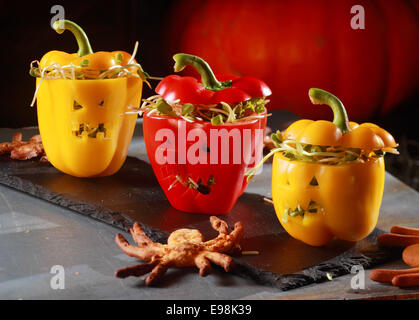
column 77, row 106
column 314, row 182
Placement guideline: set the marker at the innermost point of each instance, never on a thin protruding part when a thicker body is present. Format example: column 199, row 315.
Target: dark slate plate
column 133, row 194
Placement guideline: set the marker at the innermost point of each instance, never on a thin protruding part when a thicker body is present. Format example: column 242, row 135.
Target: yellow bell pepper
column 83, row 110
column 328, row 177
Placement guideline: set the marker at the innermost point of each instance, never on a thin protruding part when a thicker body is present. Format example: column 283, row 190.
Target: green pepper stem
column 83, row 42
column 208, row 78
column 340, row 117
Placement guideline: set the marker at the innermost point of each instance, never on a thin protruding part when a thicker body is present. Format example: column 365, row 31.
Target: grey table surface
column 36, row 236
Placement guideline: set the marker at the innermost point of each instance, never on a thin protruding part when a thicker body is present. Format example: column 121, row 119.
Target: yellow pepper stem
column 83, row 42
column 340, row 117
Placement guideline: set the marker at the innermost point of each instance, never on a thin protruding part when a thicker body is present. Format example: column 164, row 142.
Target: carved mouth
column 85, row 129
column 198, row 186
column 313, row 207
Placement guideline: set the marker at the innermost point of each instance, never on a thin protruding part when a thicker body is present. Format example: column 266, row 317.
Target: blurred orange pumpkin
column 299, row 44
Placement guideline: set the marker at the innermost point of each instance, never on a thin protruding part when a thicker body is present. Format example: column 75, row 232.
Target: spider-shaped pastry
column 184, row 248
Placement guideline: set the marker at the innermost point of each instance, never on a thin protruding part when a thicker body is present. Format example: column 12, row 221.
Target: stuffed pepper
column 84, row 103
column 202, row 136
column 328, row 177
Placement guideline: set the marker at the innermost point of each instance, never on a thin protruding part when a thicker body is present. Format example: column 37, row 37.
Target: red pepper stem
column 209, row 81
column 83, row 42
column 340, row 117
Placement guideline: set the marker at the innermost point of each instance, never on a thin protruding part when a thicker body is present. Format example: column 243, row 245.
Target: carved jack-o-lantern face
column 316, row 202
column 84, row 124
column 101, row 131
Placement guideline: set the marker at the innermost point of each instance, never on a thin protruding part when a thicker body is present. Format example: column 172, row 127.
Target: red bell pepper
column 199, row 165
column 210, row 90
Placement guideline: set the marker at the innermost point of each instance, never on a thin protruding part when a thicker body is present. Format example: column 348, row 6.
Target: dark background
column 116, row 25
column 110, row 25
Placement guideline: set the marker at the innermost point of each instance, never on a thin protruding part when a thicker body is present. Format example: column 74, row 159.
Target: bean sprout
column 242, row 111
column 327, row 155
column 75, row 72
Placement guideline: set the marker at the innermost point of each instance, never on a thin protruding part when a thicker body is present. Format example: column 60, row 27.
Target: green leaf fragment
column 238, row 110
column 277, row 137
column 84, row 63
column 308, row 148
column 285, row 215
column 289, row 155
column 218, row 119
column 187, row 109
column 118, row 58
column 249, row 105
column 34, row 72
column 299, row 211
column 295, row 213
column 163, row 107
column 260, row 108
